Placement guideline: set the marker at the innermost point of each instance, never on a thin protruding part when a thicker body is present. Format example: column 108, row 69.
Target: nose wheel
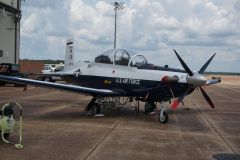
column 163, row 116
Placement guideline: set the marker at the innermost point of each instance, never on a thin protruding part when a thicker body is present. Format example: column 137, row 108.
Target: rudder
column 69, row 55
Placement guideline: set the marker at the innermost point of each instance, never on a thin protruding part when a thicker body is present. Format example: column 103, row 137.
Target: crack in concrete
column 101, row 141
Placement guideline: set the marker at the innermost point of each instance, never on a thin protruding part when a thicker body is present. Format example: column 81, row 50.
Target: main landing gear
column 96, row 104
column 151, row 108
column 94, row 108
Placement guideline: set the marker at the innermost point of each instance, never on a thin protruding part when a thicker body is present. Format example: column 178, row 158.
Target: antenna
column 117, row 6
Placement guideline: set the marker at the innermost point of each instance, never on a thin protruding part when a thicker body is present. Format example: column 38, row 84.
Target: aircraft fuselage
column 131, row 81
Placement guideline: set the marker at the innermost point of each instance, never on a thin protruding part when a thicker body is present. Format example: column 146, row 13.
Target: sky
column 195, row 28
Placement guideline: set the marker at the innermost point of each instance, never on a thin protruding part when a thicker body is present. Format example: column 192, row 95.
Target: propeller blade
column 175, row 104
column 183, row 64
column 180, row 99
column 207, row 98
column 206, row 65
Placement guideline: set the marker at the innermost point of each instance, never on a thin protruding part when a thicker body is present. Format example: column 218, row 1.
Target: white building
column 10, row 15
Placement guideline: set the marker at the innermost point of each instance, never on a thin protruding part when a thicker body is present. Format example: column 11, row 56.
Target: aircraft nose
column 196, row 80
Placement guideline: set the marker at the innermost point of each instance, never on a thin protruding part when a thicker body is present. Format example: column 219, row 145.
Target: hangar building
column 10, row 16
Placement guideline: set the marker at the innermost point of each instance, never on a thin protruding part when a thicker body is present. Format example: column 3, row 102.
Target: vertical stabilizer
column 69, row 55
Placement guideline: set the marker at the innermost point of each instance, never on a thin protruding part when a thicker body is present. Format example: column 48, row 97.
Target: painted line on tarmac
column 48, row 110
column 229, row 89
column 172, row 132
column 14, row 89
column 27, row 97
column 214, row 129
column 91, row 152
column 226, row 96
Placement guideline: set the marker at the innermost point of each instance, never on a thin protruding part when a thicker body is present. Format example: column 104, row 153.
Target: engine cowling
column 169, row 79
column 196, row 80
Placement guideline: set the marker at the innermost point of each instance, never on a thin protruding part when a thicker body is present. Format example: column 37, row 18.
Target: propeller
column 207, row 98
column 180, row 99
column 206, row 65
column 183, row 64
column 194, row 80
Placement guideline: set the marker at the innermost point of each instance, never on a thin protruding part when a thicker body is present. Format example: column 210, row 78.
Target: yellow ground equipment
column 9, row 124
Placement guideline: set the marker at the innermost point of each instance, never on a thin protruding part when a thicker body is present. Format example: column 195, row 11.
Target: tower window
column 1, row 53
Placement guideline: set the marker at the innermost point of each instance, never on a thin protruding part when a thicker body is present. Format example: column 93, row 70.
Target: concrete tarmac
column 56, row 127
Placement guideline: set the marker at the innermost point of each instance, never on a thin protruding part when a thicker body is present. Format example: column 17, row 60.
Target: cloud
column 196, row 28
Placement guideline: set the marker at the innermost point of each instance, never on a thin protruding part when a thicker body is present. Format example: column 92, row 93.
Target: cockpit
column 121, row 57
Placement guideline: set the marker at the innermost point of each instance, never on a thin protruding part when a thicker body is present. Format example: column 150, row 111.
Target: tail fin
column 69, row 55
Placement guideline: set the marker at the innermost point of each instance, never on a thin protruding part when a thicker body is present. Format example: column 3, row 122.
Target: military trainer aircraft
column 121, row 73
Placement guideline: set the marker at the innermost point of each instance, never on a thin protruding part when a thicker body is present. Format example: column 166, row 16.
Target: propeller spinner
column 194, row 80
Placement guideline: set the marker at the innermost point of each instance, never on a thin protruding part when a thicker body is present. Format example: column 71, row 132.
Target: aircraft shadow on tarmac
column 75, row 113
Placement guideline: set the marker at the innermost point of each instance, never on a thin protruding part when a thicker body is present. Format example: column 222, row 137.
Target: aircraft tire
column 2, row 83
column 149, row 107
column 164, row 118
column 95, row 109
column 47, row 79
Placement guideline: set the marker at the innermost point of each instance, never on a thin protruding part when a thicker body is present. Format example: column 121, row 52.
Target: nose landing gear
column 151, row 108
column 162, row 115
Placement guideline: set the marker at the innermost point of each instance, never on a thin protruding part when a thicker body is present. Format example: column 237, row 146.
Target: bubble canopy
column 121, row 57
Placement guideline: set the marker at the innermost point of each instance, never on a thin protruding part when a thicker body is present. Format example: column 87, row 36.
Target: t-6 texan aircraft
column 121, row 73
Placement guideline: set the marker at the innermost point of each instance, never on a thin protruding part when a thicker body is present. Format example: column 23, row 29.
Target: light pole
column 117, row 6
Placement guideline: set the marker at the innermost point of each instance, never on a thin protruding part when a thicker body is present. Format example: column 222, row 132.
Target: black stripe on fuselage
column 160, row 68
column 157, row 89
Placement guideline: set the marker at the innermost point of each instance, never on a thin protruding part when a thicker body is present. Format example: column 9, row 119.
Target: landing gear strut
column 149, row 107
column 162, row 115
column 93, row 108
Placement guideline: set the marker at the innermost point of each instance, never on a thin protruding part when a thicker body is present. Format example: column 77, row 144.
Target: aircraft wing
column 52, row 74
column 212, row 81
column 67, row 87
